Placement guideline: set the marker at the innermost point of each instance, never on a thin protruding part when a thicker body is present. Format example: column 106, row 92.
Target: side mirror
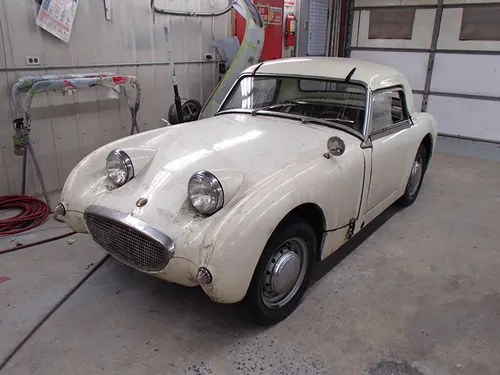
column 335, row 146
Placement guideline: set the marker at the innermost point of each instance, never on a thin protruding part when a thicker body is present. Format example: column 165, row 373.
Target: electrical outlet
column 208, row 56
column 33, row 60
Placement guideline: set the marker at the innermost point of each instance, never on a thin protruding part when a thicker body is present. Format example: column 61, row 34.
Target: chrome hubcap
column 415, row 176
column 284, row 273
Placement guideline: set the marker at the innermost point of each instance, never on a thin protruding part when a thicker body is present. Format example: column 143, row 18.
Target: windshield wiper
column 336, row 119
column 273, row 106
column 335, row 125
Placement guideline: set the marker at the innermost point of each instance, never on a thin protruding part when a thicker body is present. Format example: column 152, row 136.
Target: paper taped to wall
column 57, row 16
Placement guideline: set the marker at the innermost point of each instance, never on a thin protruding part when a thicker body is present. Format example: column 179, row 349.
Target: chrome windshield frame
column 363, row 136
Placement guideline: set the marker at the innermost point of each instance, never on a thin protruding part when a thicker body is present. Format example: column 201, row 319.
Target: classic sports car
column 301, row 155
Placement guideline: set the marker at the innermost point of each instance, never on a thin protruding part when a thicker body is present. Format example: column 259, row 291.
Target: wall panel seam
column 469, row 138
column 427, row 50
column 110, row 65
column 426, row 6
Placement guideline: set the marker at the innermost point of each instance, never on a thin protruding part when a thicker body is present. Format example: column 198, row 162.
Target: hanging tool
column 177, row 98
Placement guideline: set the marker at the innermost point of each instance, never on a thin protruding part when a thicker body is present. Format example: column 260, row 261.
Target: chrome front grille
column 129, row 239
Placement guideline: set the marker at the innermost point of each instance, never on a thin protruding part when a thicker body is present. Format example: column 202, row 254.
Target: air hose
column 191, row 13
column 34, row 211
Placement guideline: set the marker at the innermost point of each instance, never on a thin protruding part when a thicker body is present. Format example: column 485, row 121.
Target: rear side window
column 388, row 109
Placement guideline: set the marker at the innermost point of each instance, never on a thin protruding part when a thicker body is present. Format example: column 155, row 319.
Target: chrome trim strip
column 278, row 75
column 368, row 117
column 388, row 130
column 136, row 224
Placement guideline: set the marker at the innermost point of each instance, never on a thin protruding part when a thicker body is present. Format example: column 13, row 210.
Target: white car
column 301, row 155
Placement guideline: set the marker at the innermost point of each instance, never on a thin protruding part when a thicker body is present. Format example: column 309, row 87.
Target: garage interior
column 414, row 293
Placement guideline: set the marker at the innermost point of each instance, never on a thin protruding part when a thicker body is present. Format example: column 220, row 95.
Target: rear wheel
column 282, row 274
column 416, row 178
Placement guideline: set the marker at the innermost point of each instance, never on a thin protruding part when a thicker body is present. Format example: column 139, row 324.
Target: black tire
column 191, row 111
column 253, row 305
column 412, row 190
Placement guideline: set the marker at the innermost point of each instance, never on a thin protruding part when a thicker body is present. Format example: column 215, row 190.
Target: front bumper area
column 128, row 239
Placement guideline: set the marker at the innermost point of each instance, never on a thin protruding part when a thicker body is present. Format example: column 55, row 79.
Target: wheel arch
column 314, row 215
column 428, row 143
column 233, row 245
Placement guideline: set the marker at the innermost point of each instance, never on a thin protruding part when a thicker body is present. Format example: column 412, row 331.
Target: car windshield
column 327, row 102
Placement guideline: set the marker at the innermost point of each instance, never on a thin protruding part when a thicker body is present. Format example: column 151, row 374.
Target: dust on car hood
column 254, row 146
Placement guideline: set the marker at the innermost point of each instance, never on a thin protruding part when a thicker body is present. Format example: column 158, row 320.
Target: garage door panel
column 375, row 3
column 421, row 34
column 468, row 1
column 466, row 117
column 412, row 65
column 449, row 34
column 466, row 74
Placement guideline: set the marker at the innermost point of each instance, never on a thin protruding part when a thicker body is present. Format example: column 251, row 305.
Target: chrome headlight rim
column 216, row 186
column 127, row 162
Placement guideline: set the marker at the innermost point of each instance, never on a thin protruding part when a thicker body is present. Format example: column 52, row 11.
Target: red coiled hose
column 33, row 213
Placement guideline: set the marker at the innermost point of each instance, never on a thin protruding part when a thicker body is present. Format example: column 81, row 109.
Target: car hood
column 240, row 149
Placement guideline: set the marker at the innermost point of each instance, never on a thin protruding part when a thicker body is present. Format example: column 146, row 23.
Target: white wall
column 65, row 129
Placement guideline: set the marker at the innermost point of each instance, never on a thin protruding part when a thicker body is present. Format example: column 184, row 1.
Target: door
column 317, row 28
column 389, row 134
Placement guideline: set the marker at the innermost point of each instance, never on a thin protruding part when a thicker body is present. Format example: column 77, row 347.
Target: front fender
column 234, row 246
column 88, row 179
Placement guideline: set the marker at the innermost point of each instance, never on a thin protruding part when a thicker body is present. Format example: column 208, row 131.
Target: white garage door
column 450, row 52
column 317, row 29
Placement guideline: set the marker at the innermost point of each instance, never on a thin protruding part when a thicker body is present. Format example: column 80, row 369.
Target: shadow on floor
column 161, row 298
column 327, row 265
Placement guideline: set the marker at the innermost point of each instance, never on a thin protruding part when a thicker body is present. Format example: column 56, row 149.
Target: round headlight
column 120, row 168
column 205, row 193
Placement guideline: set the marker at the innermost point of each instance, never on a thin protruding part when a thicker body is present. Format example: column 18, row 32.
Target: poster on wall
column 290, row 3
column 57, row 16
column 275, row 16
column 264, row 12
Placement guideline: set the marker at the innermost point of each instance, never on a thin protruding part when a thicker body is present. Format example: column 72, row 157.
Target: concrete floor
column 415, row 293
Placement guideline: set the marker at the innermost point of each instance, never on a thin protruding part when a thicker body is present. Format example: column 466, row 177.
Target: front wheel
column 282, row 274
column 416, row 178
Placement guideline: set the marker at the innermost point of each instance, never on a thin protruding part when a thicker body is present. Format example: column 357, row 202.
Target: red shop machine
column 272, row 12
